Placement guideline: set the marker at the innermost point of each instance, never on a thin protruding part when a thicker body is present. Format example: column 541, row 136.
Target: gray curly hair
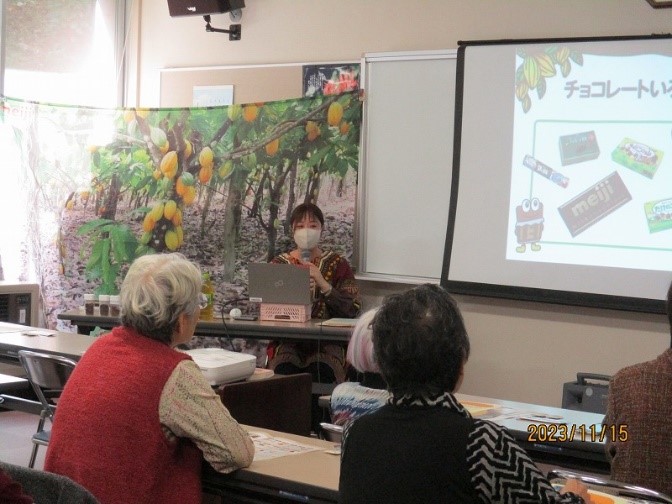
column 156, row 290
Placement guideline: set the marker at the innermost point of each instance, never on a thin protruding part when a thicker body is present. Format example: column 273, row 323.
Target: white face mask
column 306, row 238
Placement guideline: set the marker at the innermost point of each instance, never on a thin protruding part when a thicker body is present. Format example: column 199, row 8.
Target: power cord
column 227, row 335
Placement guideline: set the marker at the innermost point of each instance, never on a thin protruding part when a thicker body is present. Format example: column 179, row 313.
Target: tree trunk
column 232, row 222
column 291, row 200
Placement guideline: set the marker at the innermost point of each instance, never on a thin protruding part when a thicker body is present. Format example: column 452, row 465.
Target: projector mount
column 233, row 31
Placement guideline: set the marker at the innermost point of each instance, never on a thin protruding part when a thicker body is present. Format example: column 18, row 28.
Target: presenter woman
column 137, row 416
column 335, row 294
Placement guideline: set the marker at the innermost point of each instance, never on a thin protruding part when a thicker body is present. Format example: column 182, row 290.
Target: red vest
column 106, row 434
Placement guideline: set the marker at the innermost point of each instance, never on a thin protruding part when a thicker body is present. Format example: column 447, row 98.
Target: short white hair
column 360, row 347
column 156, row 290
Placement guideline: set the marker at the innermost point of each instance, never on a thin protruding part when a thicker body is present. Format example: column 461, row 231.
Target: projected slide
column 564, row 169
column 590, row 179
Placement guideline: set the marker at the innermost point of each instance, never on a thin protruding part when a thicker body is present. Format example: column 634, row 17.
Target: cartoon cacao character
column 529, row 224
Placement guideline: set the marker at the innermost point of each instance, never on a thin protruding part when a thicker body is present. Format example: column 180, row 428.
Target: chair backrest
column 46, row 372
column 46, row 487
column 282, row 402
column 611, row 487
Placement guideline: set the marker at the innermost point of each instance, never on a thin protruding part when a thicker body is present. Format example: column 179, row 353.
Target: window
column 55, row 51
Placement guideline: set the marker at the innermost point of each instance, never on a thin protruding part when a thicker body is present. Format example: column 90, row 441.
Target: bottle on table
column 115, row 306
column 89, row 303
column 209, row 291
column 104, row 305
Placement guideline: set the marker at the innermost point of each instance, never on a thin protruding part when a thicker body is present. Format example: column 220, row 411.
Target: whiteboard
column 405, row 164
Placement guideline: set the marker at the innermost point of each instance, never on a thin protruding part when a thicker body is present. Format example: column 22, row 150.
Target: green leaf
column 541, row 87
column 317, row 157
column 94, row 273
column 576, row 57
column 96, row 253
column 91, row 225
column 105, row 258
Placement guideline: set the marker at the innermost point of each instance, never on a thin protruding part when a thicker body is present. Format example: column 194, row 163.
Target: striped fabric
column 350, row 400
column 500, row 470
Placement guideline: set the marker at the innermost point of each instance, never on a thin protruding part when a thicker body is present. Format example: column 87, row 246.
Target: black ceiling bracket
column 234, row 30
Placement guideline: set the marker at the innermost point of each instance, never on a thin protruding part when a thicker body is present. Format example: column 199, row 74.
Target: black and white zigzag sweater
column 430, row 450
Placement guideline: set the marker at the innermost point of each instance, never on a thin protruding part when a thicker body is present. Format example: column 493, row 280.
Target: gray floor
column 16, row 429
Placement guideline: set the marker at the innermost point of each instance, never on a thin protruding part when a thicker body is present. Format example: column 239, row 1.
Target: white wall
column 520, row 351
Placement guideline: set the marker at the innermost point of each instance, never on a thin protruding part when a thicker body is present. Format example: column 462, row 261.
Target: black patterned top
column 343, row 300
column 455, row 457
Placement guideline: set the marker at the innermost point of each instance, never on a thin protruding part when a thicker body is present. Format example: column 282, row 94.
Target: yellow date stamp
column 562, row 432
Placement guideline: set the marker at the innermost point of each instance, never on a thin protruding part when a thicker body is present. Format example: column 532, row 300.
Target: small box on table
column 284, row 312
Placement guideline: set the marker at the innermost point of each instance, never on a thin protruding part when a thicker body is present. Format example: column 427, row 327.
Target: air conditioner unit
column 19, row 303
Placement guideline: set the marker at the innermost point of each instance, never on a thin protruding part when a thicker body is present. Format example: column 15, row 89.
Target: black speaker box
column 202, row 7
column 586, row 393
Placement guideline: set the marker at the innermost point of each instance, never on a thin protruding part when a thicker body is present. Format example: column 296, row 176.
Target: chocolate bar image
column 545, row 171
column 578, row 147
column 594, row 204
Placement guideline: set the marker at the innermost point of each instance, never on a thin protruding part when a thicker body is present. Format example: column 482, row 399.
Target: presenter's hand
column 316, row 277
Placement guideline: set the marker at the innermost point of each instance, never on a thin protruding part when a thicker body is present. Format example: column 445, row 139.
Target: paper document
column 268, row 447
column 478, row 408
column 339, row 322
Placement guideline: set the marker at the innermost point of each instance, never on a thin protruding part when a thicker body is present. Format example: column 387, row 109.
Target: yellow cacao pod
column 335, row 114
column 158, row 136
column 311, row 126
column 157, row 212
column 171, row 240
column 168, row 164
column 546, row 65
column 177, row 218
column 205, row 174
column 205, row 158
column 531, row 71
column 189, row 195
column 226, row 169
column 169, row 209
column 272, row 147
column 250, row 112
column 149, row 223
column 188, row 149
column 234, row 111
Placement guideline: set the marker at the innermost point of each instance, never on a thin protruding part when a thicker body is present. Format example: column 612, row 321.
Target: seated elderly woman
column 423, row 446
column 367, row 392
column 639, row 421
column 137, row 416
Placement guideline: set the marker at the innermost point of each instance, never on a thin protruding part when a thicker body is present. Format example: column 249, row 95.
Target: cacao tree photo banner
column 104, row 186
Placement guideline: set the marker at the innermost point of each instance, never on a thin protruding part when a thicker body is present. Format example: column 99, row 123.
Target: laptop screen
column 279, row 283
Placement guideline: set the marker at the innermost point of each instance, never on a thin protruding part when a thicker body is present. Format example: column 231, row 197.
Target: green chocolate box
column 638, row 157
column 658, row 215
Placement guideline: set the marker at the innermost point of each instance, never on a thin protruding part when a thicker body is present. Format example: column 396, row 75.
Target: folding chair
column 47, row 374
column 332, row 432
column 610, row 487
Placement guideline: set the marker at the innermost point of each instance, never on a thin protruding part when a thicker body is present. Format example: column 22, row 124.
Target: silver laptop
column 278, row 283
